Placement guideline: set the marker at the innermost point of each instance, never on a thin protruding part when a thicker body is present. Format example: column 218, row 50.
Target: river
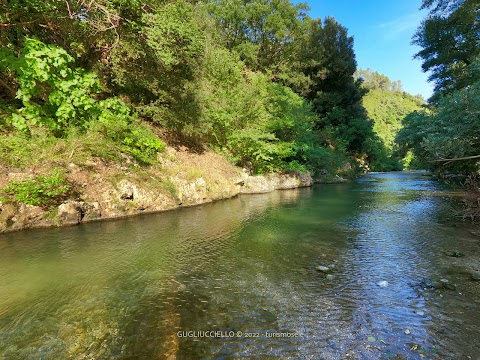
column 238, row 279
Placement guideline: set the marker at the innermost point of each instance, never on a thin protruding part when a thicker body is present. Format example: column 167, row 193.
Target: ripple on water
column 123, row 289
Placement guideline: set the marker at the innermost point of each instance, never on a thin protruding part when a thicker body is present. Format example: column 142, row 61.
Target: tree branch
column 457, row 159
column 70, row 13
column 18, row 23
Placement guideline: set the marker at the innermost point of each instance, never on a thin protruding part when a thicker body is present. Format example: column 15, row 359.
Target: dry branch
column 457, row 159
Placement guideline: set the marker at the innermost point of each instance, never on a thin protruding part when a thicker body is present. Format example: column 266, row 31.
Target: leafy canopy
column 449, row 38
column 449, row 129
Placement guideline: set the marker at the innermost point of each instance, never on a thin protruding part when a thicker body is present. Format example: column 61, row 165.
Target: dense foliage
column 329, row 63
column 445, row 136
column 59, row 98
column 258, row 81
column 449, row 38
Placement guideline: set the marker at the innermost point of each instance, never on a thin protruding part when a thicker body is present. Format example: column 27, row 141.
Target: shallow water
column 158, row 286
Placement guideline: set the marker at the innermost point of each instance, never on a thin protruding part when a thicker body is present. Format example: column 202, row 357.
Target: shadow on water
column 151, row 287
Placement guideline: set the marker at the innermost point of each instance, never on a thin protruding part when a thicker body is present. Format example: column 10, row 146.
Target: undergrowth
column 40, row 190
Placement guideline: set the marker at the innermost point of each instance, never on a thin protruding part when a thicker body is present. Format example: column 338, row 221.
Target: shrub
column 59, row 98
column 39, row 190
column 258, row 150
column 132, row 137
column 53, row 94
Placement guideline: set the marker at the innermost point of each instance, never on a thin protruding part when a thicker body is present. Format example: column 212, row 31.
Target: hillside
column 387, row 105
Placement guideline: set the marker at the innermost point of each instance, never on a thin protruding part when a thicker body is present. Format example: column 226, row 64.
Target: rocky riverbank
column 106, row 190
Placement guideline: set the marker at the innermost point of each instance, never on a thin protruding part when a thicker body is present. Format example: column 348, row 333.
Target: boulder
column 74, row 212
column 70, row 213
column 190, row 193
column 127, row 190
column 267, row 183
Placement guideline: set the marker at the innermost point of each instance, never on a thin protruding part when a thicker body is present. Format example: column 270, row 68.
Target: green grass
column 21, row 150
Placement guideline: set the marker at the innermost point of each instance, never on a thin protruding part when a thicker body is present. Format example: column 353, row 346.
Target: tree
column 440, row 7
column 156, row 63
column 449, row 129
column 21, row 18
column 255, row 79
column 145, row 51
column 264, row 33
column 374, row 80
column 329, row 62
column 450, row 38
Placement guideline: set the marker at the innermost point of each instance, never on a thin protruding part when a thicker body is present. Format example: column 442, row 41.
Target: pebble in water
column 383, row 283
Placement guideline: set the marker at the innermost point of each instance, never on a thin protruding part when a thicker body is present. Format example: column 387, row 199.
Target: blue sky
column 382, row 30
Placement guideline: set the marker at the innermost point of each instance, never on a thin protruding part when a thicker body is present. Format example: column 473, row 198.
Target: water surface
column 156, row 286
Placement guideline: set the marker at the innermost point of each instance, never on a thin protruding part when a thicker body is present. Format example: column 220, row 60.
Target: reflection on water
column 124, row 289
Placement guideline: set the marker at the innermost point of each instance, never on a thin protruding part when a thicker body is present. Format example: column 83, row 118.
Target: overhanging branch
column 457, row 159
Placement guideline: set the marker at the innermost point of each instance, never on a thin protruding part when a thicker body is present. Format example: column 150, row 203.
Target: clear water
column 155, row 286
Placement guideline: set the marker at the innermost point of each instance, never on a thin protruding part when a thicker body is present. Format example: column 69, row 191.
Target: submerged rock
column 456, row 254
column 324, row 269
column 475, row 276
column 445, row 284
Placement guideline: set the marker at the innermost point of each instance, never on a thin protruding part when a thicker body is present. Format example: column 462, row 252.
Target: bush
column 130, row 135
column 40, row 190
column 320, row 158
column 449, row 130
column 53, row 94
column 258, row 150
column 259, row 125
column 59, row 99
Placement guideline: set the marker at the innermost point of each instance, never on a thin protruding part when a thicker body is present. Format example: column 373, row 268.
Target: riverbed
column 378, row 268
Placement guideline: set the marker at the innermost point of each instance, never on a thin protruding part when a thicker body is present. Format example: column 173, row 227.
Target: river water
column 237, row 279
